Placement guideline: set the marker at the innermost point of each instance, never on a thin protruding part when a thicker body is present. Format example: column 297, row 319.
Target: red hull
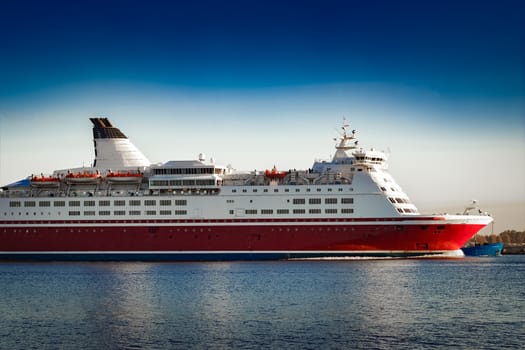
column 235, row 237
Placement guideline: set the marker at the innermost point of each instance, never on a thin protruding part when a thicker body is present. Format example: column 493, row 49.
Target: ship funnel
column 113, row 150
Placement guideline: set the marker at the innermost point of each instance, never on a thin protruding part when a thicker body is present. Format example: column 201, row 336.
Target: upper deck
column 364, row 171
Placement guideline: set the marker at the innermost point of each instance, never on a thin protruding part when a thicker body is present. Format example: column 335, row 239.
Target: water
column 471, row 303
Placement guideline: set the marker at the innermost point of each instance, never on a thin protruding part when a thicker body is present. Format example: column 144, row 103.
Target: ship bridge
column 349, row 157
column 371, row 159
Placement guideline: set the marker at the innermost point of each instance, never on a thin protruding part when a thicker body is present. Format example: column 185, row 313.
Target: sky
column 439, row 85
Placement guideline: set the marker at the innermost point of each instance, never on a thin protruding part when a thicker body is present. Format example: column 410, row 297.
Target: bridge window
column 185, row 171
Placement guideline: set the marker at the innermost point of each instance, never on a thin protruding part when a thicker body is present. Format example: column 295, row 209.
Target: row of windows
column 391, row 188
column 185, row 171
column 288, row 190
column 406, row 210
column 123, row 212
column 326, row 201
column 398, row 200
column 198, row 182
column 169, row 202
column 296, row 211
column 102, row 203
column 373, row 159
column 184, row 212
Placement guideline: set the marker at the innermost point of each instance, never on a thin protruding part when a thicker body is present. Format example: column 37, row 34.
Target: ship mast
column 346, row 142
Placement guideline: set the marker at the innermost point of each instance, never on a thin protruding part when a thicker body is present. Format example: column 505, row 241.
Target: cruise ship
column 124, row 207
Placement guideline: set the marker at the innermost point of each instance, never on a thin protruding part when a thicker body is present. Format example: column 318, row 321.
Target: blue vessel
column 487, row 249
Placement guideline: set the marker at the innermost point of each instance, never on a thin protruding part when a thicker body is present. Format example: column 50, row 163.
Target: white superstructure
column 355, row 183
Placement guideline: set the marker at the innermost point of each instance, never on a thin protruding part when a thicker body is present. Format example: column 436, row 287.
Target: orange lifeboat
column 44, row 181
column 274, row 174
column 124, row 177
column 82, row 178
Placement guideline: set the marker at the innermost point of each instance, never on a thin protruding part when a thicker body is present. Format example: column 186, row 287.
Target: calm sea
column 471, row 303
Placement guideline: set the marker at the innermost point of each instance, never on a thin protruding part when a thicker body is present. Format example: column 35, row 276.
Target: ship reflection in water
column 379, row 304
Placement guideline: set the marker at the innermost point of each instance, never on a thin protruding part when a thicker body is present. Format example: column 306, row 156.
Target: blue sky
column 439, row 83
column 457, row 48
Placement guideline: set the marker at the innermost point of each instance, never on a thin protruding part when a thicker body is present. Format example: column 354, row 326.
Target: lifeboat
column 45, row 181
column 124, row 177
column 274, row 174
column 82, row 178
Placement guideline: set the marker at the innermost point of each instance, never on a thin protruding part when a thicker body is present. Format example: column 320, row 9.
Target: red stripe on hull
column 238, row 238
column 217, row 221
